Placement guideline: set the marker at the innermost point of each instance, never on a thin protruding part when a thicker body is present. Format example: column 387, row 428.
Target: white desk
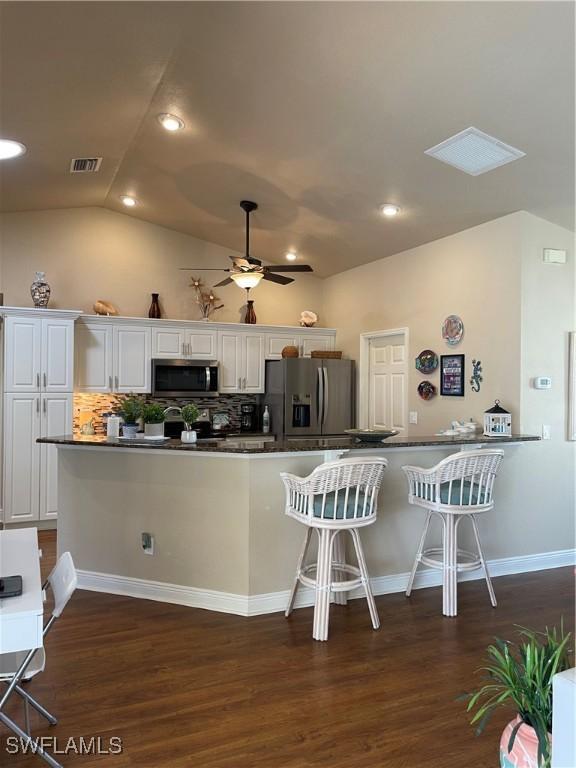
column 21, row 617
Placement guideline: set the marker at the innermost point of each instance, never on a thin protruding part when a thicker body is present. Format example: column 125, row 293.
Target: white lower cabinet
column 30, row 469
column 241, row 358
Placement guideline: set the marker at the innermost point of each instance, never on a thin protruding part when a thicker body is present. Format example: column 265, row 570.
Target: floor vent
column 85, row 164
column 474, row 152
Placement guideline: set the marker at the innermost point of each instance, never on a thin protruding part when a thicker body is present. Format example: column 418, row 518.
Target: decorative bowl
column 371, row 435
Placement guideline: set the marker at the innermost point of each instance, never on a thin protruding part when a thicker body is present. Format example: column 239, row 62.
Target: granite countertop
column 311, row 444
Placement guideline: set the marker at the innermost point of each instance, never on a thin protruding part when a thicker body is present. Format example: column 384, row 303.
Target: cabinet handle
column 45, row 380
column 110, row 383
column 239, row 383
column 44, row 404
column 244, row 384
column 37, row 381
column 116, row 382
column 183, row 349
column 188, row 350
column 37, row 405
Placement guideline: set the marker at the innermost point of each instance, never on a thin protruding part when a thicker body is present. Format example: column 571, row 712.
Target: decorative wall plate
column 452, row 330
column 427, row 390
column 427, row 361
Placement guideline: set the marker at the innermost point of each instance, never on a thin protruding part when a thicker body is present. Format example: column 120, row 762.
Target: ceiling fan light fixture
column 170, row 122
column 247, row 279
column 10, row 148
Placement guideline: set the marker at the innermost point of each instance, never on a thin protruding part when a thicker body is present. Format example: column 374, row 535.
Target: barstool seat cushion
column 343, row 512
column 452, row 497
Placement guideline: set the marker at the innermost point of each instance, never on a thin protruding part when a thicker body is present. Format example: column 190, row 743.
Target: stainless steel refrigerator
column 310, row 396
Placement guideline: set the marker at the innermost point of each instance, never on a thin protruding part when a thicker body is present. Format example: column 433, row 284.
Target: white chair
column 459, row 486
column 337, row 496
column 23, row 666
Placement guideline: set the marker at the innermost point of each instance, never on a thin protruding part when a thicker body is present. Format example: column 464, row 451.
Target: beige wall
column 93, row 253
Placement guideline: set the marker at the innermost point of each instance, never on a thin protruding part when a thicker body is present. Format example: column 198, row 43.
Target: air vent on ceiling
column 474, row 152
column 85, row 164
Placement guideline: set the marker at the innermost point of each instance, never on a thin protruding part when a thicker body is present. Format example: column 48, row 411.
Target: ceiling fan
column 246, row 271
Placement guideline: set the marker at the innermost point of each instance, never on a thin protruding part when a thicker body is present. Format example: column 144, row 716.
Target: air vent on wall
column 85, row 164
column 474, row 152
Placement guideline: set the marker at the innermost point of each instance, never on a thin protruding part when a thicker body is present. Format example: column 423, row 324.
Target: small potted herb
column 130, row 410
column 154, row 417
column 190, row 416
column 519, row 675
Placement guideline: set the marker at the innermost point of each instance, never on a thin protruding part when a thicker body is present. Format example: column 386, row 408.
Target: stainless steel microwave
column 184, row 378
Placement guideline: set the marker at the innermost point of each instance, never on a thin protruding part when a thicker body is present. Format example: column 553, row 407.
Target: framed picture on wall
column 452, row 375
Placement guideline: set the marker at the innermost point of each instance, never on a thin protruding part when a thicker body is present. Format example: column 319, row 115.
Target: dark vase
column 154, row 310
column 250, row 314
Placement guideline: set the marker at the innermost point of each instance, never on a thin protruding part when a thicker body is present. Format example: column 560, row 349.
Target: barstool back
column 463, row 481
column 337, row 494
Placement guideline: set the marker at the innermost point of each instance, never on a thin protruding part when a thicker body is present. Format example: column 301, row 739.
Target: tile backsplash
column 93, row 405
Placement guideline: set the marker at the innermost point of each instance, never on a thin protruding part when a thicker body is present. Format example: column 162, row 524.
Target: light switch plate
column 413, row 417
column 554, row 256
column 546, row 434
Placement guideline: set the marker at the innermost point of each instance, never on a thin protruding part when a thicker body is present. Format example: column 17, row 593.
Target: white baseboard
column 254, row 605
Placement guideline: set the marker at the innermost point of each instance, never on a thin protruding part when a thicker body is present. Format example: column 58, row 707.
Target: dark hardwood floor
column 186, row 687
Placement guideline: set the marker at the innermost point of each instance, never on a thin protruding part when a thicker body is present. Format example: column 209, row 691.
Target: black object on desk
column 10, row 586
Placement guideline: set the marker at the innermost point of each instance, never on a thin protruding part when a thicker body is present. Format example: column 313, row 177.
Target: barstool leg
column 339, row 556
column 450, row 566
column 483, row 561
column 365, row 578
column 418, row 555
column 323, row 579
column 298, row 571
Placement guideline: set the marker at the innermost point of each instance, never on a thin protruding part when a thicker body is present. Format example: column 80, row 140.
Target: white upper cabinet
column 304, row 343
column 315, row 343
column 93, row 357
column 38, row 354
column 168, row 342
column 57, row 357
column 132, row 355
column 22, row 354
column 275, row 343
column 201, row 345
column 241, row 358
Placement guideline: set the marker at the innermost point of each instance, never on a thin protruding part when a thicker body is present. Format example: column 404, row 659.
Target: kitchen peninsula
column 216, row 514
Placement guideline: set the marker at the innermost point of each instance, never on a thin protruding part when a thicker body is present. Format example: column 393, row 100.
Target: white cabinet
column 305, row 344
column 179, row 342
column 56, row 419
column 112, row 358
column 131, row 356
column 38, row 354
column 31, row 469
column 241, row 358
column 21, row 457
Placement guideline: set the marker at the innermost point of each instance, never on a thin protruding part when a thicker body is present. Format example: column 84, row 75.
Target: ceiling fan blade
column 280, row 279
column 290, row 268
column 226, row 281
column 203, row 269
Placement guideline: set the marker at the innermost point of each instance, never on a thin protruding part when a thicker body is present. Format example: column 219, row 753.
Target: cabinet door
column 201, row 345
column 22, row 344
column 93, row 357
column 56, row 419
column 310, row 344
column 253, row 373
column 57, row 358
column 275, row 343
column 21, row 457
column 131, row 359
column 168, row 342
column 230, row 358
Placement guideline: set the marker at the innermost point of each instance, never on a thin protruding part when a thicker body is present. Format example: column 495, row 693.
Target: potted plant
column 154, row 417
column 520, row 675
column 130, row 410
column 190, row 416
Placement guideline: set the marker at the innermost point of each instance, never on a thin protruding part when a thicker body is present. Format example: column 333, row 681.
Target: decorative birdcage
column 497, row 421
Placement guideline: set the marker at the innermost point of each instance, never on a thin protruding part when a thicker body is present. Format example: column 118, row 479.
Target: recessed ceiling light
column 474, row 152
column 291, row 255
column 389, row 210
column 10, row 148
column 128, row 201
column 170, row 122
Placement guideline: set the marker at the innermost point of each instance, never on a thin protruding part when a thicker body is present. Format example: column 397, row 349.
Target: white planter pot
column 129, row 430
column 188, row 436
column 154, row 430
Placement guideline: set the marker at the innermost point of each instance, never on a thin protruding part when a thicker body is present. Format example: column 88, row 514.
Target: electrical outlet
column 148, row 543
column 413, row 417
column 546, row 434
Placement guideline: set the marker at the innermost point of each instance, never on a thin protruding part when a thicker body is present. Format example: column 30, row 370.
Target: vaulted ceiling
column 319, row 111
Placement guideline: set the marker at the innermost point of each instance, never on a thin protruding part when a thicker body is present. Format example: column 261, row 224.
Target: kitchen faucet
column 172, row 408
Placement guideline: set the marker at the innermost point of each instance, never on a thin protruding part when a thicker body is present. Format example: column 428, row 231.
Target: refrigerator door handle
column 326, row 395
column 320, row 398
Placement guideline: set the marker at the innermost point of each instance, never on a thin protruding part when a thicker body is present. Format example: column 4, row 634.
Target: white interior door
column 388, row 382
column 56, row 420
